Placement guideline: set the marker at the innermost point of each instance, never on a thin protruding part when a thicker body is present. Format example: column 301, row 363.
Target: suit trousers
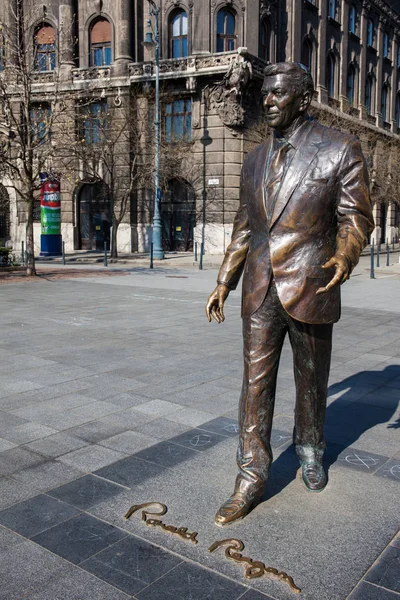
column 263, row 334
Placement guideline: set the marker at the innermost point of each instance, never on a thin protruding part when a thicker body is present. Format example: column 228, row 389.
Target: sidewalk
column 116, row 391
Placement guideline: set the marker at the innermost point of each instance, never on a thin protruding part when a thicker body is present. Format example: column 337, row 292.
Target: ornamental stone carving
column 227, row 95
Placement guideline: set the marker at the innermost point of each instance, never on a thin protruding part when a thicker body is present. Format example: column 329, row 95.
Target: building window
column 100, row 43
column 368, row 94
column 332, row 9
column 44, row 48
column 398, row 56
column 351, row 80
column 370, row 33
column 306, row 53
column 40, row 116
column 178, row 121
column 385, row 45
column 398, row 110
column 330, row 75
column 94, row 122
column 384, row 97
column 178, row 32
column 226, row 30
column 352, row 19
column 265, row 40
column 4, row 214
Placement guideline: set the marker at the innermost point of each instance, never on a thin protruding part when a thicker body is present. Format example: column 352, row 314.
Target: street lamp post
column 149, row 43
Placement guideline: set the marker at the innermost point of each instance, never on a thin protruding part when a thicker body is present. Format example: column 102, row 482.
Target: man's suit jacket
column 322, row 207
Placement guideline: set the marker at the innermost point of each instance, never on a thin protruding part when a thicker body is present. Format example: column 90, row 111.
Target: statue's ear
column 305, row 101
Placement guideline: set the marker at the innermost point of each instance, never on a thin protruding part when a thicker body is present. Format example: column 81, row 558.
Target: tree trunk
column 30, row 246
column 114, row 251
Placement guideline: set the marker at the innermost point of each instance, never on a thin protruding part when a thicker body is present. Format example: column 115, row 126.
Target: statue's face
column 281, row 101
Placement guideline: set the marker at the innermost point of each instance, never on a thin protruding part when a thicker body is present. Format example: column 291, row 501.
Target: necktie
column 275, row 173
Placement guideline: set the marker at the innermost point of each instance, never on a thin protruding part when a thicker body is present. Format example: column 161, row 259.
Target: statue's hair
column 299, row 74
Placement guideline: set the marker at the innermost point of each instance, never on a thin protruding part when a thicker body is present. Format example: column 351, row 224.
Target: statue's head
column 287, row 92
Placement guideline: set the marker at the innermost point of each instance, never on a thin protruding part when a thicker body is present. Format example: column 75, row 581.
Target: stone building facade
column 212, row 55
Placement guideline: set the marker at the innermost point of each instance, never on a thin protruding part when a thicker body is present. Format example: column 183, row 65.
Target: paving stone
column 56, row 445
column 79, row 538
column 128, row 442
column 166, row 454
column 366, row 591
column 390, row 470
column 158, row 407
column 352, row 458
column 192, row 417
column 131, row 564
column 28, row 432
column 17, row 459
column 96, row 431
column 222, row 425
column 252, row 595
column 8, row 539
column 163, row 429
column 130, row 471
column 36, row 515
column 74, row 584
column 191, row 581
column 12, row 491
column 47, row 475
column 6, row 445
column 386, row 571
column 86, row 492
column 8, row 420
column 91, row 458
column 197, row 439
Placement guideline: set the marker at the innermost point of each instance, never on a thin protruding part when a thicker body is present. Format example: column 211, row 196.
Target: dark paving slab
column 85, row 492
column 196, row 439
column 252, row 595
column 386, row 571
column 36, row 515
column 131, row 564
column 17, row 459
column 365, row 591
column 191, row 581
column 130, row 471
column 166, row 454
column 79, row 538
column 352, row 458
column 390, row 470
column 223, row 426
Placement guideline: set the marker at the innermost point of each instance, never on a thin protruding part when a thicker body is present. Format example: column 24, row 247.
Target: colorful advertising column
column 50, row 216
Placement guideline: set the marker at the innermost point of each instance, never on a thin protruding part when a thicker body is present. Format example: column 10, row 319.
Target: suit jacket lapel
column 260, row 166
column 297, row 169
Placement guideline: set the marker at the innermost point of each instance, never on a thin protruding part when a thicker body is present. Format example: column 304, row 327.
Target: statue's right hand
column 215, row 303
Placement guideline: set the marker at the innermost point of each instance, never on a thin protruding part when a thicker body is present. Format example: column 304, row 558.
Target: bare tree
column 28, row 110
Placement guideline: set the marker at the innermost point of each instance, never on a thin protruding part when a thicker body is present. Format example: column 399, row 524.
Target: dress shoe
column 314, row 476
column 236, row 508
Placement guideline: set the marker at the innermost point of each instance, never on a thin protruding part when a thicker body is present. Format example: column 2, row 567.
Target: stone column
column 393, row 89
column 123, row 30
column 363, row 63
column 295, row 31
column 66, row 38
column 344, row 53
column 321, row 68
column 379, row 75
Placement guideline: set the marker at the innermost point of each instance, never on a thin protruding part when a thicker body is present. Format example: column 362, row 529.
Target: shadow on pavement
column 346, row 420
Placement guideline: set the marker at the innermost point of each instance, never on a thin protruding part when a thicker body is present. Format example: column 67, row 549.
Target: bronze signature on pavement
column 180, row 531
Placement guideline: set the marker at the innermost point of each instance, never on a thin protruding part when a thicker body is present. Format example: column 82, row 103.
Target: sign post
column 50, row 216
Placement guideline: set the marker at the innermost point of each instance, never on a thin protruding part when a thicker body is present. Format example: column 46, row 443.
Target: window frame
column 369, row 85
column 44, row 54
column 226, row 38
column 331, row 60
column 265, row 50
column 102, row 46
column 351, row 77
column 332, row 9
column 182, row 38
column 386, row 45
column 353, row 19
column 172, row 115
column 384, row 102
column 40, row 132
column 91, row 129
column 370, row 33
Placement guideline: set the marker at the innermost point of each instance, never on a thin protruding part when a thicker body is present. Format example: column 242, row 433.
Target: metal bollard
column 387, row 254
column 372, row 273
column 378, row 251
column 151, row 256
column 201, row 256
column 63, row 253
column 22, row 253
column 195, row 252
column 105, row 254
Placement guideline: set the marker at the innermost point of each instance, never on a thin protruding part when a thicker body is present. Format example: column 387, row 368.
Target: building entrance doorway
column 382, row 220
column 4, row 215
column 94, row 217
column 178, row 216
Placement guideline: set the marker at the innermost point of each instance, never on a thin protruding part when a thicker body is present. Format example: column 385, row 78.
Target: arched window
column 351, row 80
column 44, row 49
column 306, row 53
column 178, row 34
column 385, row 45
column 332, row 9
column 100, row 43
column 4, row 215
column 352, row 19
column 330, row 75
column 398, row 110
column 265, row 40
column 226, row 30
column 384, row 98
column 178, row 216
column 368, row 94
column 370, row 33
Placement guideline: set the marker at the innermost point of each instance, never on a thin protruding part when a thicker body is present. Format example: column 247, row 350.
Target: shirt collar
column 296, row 136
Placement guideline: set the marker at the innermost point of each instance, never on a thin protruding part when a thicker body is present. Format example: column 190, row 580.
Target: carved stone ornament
column 227, row 95
column 267, row 7
column 241, row 3
column 98, row 6
column 169, row 3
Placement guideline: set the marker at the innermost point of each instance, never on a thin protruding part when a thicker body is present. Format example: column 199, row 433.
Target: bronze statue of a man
column 304, row 217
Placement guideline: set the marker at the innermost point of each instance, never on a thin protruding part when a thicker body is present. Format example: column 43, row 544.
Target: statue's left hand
column 342, row 268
